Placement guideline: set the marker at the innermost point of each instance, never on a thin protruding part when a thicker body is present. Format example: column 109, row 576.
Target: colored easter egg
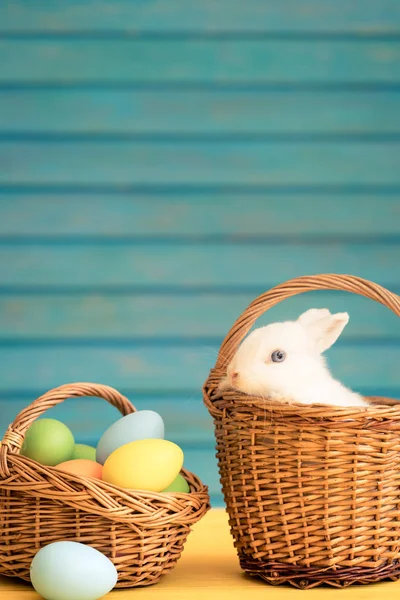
column 179, row 484
column 140, row 425
column 144, row 465
column 69, row 570
column 82, row 466
column 49, row 442
column 84, row 451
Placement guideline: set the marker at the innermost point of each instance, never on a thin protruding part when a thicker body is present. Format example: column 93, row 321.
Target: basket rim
column 111, row 499
column 85, row 480
column 92, row 482
column 381, row 408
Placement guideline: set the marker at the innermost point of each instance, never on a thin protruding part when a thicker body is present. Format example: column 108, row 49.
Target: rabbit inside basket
column 284, row 362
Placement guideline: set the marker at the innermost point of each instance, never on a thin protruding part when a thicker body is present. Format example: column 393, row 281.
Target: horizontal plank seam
column 289, row 239
column 165, row 189
column 195, row 137
column 307, row 86
column 133, row 34
column 183, row 341
column 153, row 290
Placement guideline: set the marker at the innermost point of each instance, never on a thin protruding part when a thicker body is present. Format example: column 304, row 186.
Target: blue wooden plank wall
column 161, row 164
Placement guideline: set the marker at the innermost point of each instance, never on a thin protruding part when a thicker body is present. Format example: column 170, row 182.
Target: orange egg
column 82, row 466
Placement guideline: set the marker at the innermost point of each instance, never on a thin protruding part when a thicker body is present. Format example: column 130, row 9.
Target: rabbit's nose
column 234, row 376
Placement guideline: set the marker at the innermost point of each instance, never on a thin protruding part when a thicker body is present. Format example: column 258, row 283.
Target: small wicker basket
column 312, row 492
column 143, row 533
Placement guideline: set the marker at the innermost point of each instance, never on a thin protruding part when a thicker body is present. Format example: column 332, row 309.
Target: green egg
column 179, row 484
column 49, row 442
column 84, row 451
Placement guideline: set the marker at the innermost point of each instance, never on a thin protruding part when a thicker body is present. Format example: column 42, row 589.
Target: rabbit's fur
column 302, row 376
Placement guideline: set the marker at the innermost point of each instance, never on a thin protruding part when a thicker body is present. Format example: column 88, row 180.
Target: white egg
column 72, row 571
column 140, row 425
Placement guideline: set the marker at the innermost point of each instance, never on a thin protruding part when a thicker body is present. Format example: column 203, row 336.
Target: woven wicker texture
column 143, row 533
column 313, row 492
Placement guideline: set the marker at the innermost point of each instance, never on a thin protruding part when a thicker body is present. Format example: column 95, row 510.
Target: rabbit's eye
column 278, row 356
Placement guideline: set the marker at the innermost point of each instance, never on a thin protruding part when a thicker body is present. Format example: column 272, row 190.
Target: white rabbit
column 283, row 361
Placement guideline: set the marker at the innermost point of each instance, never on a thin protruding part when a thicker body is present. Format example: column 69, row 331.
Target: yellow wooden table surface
column 209, row 569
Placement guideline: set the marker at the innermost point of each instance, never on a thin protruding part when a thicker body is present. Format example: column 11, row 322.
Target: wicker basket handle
column 293, row 287
column 15, row 434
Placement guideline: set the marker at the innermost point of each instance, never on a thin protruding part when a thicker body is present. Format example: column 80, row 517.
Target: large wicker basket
column 143, row 533
column 312, row 492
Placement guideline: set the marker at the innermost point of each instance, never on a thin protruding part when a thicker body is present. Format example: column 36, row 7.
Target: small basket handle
column 15, row 434
column 260, row 305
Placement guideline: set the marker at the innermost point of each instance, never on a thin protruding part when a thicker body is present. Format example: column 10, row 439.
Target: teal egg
column 49, row 442
column 69, row 570
column 179, row 484
column 140, row 425
column 84, row 451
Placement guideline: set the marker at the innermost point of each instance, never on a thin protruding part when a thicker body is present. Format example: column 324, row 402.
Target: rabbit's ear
column 314, row 314
column 325, row 331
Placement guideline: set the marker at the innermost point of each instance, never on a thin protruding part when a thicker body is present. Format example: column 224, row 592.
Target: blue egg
column 140, row 425
column 69, row 570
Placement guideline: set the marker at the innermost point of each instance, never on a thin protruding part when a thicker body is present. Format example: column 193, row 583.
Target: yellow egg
column 144, row 465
